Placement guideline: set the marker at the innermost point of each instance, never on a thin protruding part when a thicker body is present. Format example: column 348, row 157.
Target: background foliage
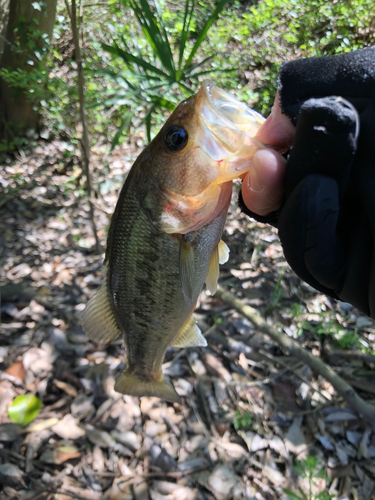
column 252, row 37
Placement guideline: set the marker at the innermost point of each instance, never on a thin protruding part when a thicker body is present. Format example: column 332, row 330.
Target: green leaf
column 24, row 409
column 124, row 124
column 157, row 37
column 185, row 33
column 129, row 58
column 200, row 63
column 323, row 495
column 209, row 71
column 292, row 495
column 206, row 27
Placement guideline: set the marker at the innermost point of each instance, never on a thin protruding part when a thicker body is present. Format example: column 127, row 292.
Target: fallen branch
column 337, row 354
column 356, row 403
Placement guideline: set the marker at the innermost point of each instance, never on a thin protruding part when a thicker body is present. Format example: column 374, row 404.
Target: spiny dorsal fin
column 187, row 269
column 98, row 319
column 190, row 336
column 213, row 272
column 223, row 252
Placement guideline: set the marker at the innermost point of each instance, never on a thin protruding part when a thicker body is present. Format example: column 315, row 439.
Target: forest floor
column 248, row 410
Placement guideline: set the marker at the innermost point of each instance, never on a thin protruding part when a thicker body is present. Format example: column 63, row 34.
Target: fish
column 164, row 241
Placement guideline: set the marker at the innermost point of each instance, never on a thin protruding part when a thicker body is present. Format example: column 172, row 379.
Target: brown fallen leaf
column 70, row 485
column 140, row 489
column 10, row 432
column 121, row 489
column 284, row 395
column 11, row 475
column 129, row 439
column 82, row 405
column 41, row 426
column 6, row 396
column 67, row 388
column 68, row 428
column 59, row 454
column 98, row 437
column 97, row 459
column 223, row 482
column 295, row 440
column 271, row 472
column 16, row 370
column 216, row 367
column 65, row 453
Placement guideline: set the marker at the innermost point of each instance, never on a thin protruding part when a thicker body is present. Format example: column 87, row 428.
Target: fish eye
column 175, row 138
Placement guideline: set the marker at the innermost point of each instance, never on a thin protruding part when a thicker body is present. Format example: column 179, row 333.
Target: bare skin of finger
column 263, row 186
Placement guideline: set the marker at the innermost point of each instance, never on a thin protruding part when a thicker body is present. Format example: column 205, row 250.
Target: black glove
column 327, row 221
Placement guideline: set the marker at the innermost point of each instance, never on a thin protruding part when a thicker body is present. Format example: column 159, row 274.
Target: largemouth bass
column 164, row 240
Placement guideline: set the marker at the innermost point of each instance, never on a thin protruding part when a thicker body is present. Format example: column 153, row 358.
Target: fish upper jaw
column 226, row 131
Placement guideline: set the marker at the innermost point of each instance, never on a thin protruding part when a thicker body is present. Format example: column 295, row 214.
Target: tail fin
column 129, row 384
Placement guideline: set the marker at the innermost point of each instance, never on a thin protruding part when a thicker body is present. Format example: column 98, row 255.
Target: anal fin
column 98, row 319
column 190, row 336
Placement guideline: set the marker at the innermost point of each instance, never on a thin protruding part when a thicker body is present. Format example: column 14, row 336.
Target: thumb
column 277, row 130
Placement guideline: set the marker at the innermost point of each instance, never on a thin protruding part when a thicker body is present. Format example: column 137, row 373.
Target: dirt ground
column 248, row 411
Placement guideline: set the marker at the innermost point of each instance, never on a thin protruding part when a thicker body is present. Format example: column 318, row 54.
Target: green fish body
column 164, row 243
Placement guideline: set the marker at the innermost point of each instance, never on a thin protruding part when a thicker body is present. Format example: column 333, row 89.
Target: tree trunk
column 17, row 18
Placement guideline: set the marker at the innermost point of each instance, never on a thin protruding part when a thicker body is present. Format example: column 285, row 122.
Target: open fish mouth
column 233, row 113
column 228, row 127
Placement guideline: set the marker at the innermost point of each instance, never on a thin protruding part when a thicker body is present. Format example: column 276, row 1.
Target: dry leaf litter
column 247, row 409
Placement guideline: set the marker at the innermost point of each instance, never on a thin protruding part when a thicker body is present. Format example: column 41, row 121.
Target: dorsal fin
column 98, row 319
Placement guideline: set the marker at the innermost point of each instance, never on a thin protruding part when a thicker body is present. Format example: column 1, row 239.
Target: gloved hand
column 327, row 219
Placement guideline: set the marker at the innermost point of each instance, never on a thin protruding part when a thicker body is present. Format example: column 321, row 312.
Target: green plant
column 327, row 324
column 242, row 420
column 277, row 292
column 309, row 468
column 160, row 79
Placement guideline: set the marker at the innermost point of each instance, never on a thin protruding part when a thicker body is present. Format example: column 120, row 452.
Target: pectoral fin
column 219, row 256
column 190, row 336
column 223, row 252
column 187, row 269
column 98, row 319
column 213, row 272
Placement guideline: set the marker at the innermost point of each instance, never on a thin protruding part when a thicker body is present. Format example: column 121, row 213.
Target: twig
column 364, row 357
column 57, row 492
column 359, row 405
column 85, row 135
